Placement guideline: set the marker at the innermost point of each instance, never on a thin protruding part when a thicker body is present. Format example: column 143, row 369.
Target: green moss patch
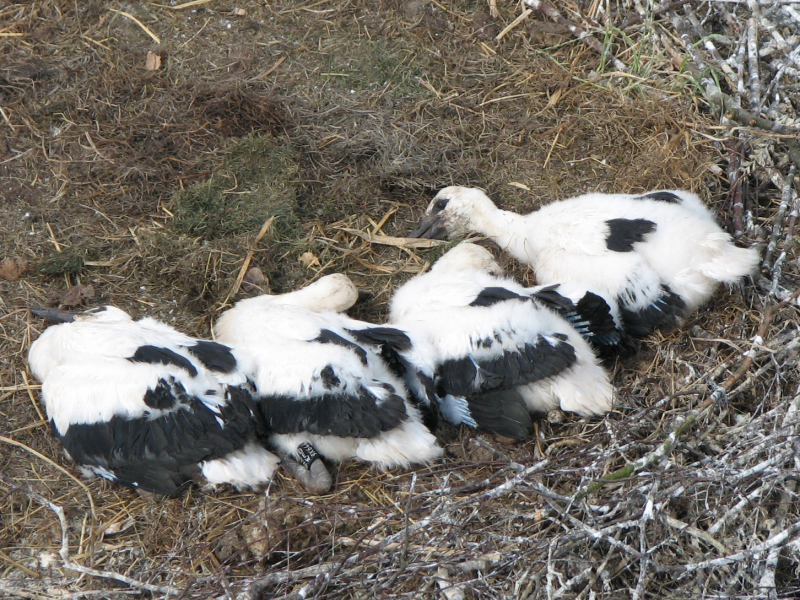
column 71, row 262
column 256, row 182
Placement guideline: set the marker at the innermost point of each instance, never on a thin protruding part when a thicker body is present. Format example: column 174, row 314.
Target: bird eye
column 441, row 203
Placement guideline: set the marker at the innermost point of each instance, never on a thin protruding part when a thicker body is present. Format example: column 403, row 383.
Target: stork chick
column 321, row 381
column 658, row 255
column 490, row 352
column 142, row 404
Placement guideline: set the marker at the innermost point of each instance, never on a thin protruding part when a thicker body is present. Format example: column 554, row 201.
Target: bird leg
column 308, row 468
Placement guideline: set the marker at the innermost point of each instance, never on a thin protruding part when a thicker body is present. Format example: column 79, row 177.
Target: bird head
column 68, row 339
column 450, row 213
column 100, row 314
column 334, row 292
column 467, row 257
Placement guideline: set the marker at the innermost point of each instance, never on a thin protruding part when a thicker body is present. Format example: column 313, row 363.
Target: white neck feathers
column 506, row 229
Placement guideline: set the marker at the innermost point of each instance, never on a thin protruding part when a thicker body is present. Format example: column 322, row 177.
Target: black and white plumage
column 658, row 255
column 321, row 379
column 490, row 352
column 139, row 403
column 596, row 318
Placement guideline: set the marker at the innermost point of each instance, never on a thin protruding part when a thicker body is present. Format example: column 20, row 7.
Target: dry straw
column 687, row 489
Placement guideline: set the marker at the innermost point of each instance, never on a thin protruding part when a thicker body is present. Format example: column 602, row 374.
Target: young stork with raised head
column 323, row 381
column 659, row 255
column 491, row 352
column 139, row 403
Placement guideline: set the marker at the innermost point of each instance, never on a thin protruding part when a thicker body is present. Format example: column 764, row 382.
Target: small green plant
column 256, row 182
column 70, row 261
column 374, row 65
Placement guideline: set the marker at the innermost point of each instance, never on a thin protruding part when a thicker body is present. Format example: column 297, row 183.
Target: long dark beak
column 430, row 226
column 53, row 315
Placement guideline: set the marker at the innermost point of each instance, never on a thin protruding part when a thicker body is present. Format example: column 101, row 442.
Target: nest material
column 686, row 490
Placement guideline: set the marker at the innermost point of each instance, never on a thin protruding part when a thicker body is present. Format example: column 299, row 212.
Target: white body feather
column 250, row 467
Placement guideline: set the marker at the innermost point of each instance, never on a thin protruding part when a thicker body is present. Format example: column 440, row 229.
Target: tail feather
column 731, row 264
column 502, row 412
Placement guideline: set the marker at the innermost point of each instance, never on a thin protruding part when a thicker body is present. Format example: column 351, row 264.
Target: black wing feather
column 161, row 454
column 391, row 342
column 382, row 336
column 340, row 415
column 664, row 314
column 156, row 355
column 214, row 356
column 466, row 376
column 592, row 318
column 326, row 336
column 492, row 295
column 502, row 412
column 551, row 298
column 624, row 233
column 600, row 329
column 662, row 197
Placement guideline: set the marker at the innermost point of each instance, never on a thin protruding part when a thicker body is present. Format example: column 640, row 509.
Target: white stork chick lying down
column 490, row 352
column 321, row 381
column 660, row 255
column 139, row 403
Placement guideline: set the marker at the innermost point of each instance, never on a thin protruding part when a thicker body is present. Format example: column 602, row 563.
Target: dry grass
column 372, row 107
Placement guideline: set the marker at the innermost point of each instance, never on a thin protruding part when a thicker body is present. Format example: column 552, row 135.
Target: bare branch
column 548, row 9
column 776, row 540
